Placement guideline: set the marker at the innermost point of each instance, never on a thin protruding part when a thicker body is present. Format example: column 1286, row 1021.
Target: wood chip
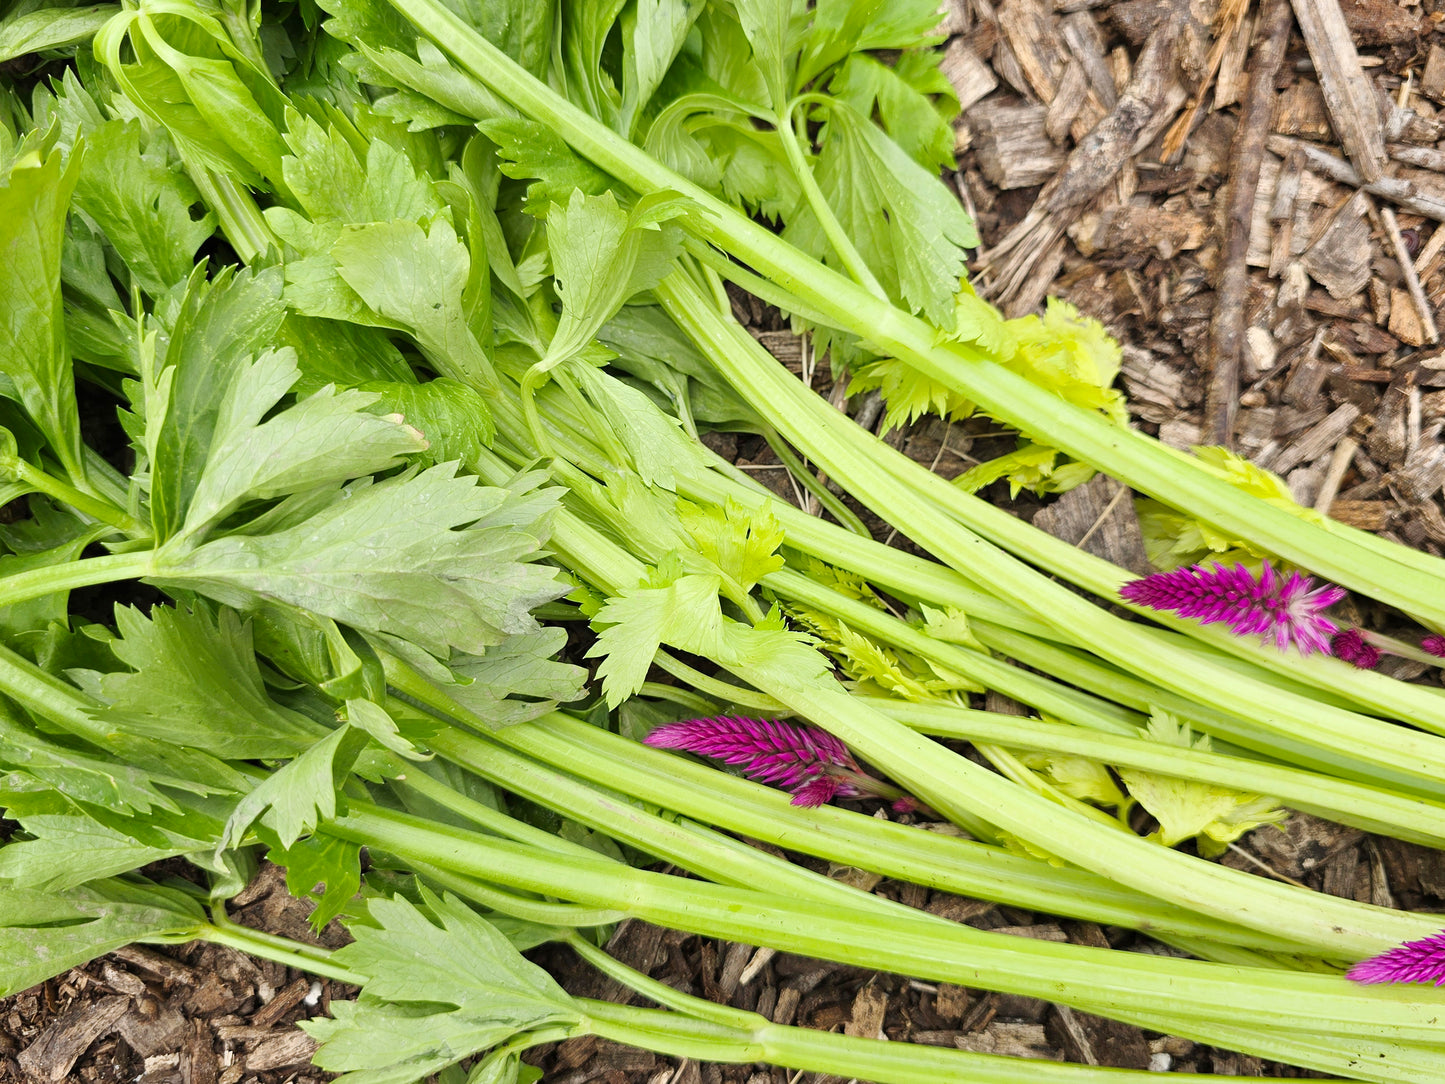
column 1013, row 1040
column 1339, row 257
column 1086, row 42
column 288, row 1046
column 1098, row 516
column 1300, row 110
column 152, row 1026
column 1412, row 194
column 51, row 1056
column 1318, row 441
column 971, row 78
column 869, row 1008
column 1032, row 32
column 1129, row 228
column 1013, row 149
column 1432, row 82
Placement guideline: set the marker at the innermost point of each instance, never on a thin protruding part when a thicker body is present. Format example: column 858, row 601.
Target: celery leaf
column 444, row 984
column 195, row 683
column 455, row 571
column 44, row 933
column 1185, row 808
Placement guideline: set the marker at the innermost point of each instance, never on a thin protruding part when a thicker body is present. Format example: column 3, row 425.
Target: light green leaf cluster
column 1062, row 352
column 741, row 543
column 1173, row 538
column 1186, row 809
column 1032, row 466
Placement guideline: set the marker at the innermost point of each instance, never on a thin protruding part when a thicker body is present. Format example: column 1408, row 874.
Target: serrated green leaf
column 518, row 680
column 654, row 31
column 841, row 27
column 531, row 150
column 324, row 439
column 454, row 572
column 183, row 71
column 35, row 368
column 1078, row 777
column 675, row 608
column 1031, row 466
column 774, row 29
column 1186, row 809
column 79, row 775
column 659, row 451
column 436, row 994
column 911, row 230
column 69, row 847
column 903, row 96
column 51, row 28
column 601, row 256
column 222, row 323
column 742, row 543
column 295, row 798
column 195, row 684
column 417, row 279
column 43, row 934
column 951, row 626
column 452, row 416
column 341, row 353
column 331, row 183
column 142, row 204
column 325, row 861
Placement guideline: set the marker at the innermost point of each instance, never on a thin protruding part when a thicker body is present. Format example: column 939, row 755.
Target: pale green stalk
column 1391, row 754
column 918, row 946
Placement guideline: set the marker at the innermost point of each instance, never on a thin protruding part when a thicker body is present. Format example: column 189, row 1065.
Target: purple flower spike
column 1435, row 645
column 1285, row 610
column 811, row 763
column 1414, row 961
column 819, row 790
column 1352, row 647
column 769, row 751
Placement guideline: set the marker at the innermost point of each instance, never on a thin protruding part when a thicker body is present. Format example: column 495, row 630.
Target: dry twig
column 1227, row 328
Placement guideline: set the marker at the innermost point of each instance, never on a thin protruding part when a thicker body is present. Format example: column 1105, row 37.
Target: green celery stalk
column 1390, row 754
column 1108, row 981
column 967, row 793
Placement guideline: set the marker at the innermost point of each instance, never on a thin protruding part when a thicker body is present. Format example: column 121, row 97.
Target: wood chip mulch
column 1251, row 198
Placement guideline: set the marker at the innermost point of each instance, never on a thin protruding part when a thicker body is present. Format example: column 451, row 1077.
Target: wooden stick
column 1221, row 403
column 1412, row 280
column 1349, row 97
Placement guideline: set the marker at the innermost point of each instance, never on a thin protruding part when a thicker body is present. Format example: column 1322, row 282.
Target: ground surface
column 1319, row 347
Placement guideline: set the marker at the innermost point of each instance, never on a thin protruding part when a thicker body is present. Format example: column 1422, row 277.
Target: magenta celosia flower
column 815, row 766
column 1351, row 646
column 1414, row 961
column 1283, row 609
column 1434, row 645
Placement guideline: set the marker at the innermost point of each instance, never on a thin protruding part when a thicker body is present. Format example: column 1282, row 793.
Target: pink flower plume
column 1352, row 647
column 1414, row 961
column 769, row 751
column 815, row 766
column 1287, row 610
column 1434, row 645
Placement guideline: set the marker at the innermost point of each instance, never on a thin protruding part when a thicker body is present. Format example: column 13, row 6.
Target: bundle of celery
column 411, row 323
